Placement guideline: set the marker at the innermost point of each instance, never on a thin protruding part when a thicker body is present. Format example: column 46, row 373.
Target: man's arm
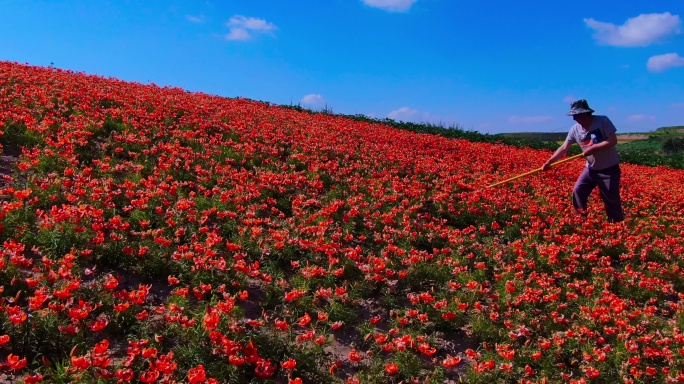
column 610, row 141
column 559, row 154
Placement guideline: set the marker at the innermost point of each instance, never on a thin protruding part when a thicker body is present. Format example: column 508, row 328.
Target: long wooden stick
column 536, row 170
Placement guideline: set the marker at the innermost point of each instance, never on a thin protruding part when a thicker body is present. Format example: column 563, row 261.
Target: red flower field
column 155, row 235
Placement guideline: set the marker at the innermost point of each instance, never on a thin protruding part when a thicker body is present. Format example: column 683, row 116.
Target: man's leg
column 608, row 182
column 580, row 194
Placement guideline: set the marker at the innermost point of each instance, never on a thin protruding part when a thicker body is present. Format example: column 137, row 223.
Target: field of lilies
column 154, row 235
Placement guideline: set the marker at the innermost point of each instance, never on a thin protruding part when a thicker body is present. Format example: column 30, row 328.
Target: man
column 595, row 134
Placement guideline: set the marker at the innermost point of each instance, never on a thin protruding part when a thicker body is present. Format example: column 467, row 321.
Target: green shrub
column 673, row 145
column 19, row 135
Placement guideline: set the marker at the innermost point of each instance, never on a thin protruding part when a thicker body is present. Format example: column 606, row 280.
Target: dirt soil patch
column 10, row 155
column 632, row 137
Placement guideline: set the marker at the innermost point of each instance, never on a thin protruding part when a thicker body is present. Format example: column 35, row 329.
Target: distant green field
column 664, row 146
column 540, row 136
column 669, row 131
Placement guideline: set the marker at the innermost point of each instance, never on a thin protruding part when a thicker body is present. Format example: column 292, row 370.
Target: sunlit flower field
column 159, row 236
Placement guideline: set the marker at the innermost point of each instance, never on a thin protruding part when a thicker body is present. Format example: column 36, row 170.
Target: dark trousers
column 608, row 182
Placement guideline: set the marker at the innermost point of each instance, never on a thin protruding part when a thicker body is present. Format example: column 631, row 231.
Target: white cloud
column 642, row 30
column 660, row 63
column 238, row 34
column 195, row 19
column 677, row 105
column 640, row 117
column 403, row 114
column 529, row 119
column 241, row 26
column 390, row 5
column 313, row 99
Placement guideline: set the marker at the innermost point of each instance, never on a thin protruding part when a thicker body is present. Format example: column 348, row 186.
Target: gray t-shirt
column 600, row 128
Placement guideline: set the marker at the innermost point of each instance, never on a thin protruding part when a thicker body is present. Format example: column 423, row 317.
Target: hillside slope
column 157, row 235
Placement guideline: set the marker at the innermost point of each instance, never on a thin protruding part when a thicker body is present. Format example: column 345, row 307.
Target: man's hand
column 560, row 152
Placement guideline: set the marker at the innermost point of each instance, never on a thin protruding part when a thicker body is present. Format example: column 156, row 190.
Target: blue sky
column 489, row 66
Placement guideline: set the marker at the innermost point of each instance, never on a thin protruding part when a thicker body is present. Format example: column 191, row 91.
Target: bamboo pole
column 535, row 171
